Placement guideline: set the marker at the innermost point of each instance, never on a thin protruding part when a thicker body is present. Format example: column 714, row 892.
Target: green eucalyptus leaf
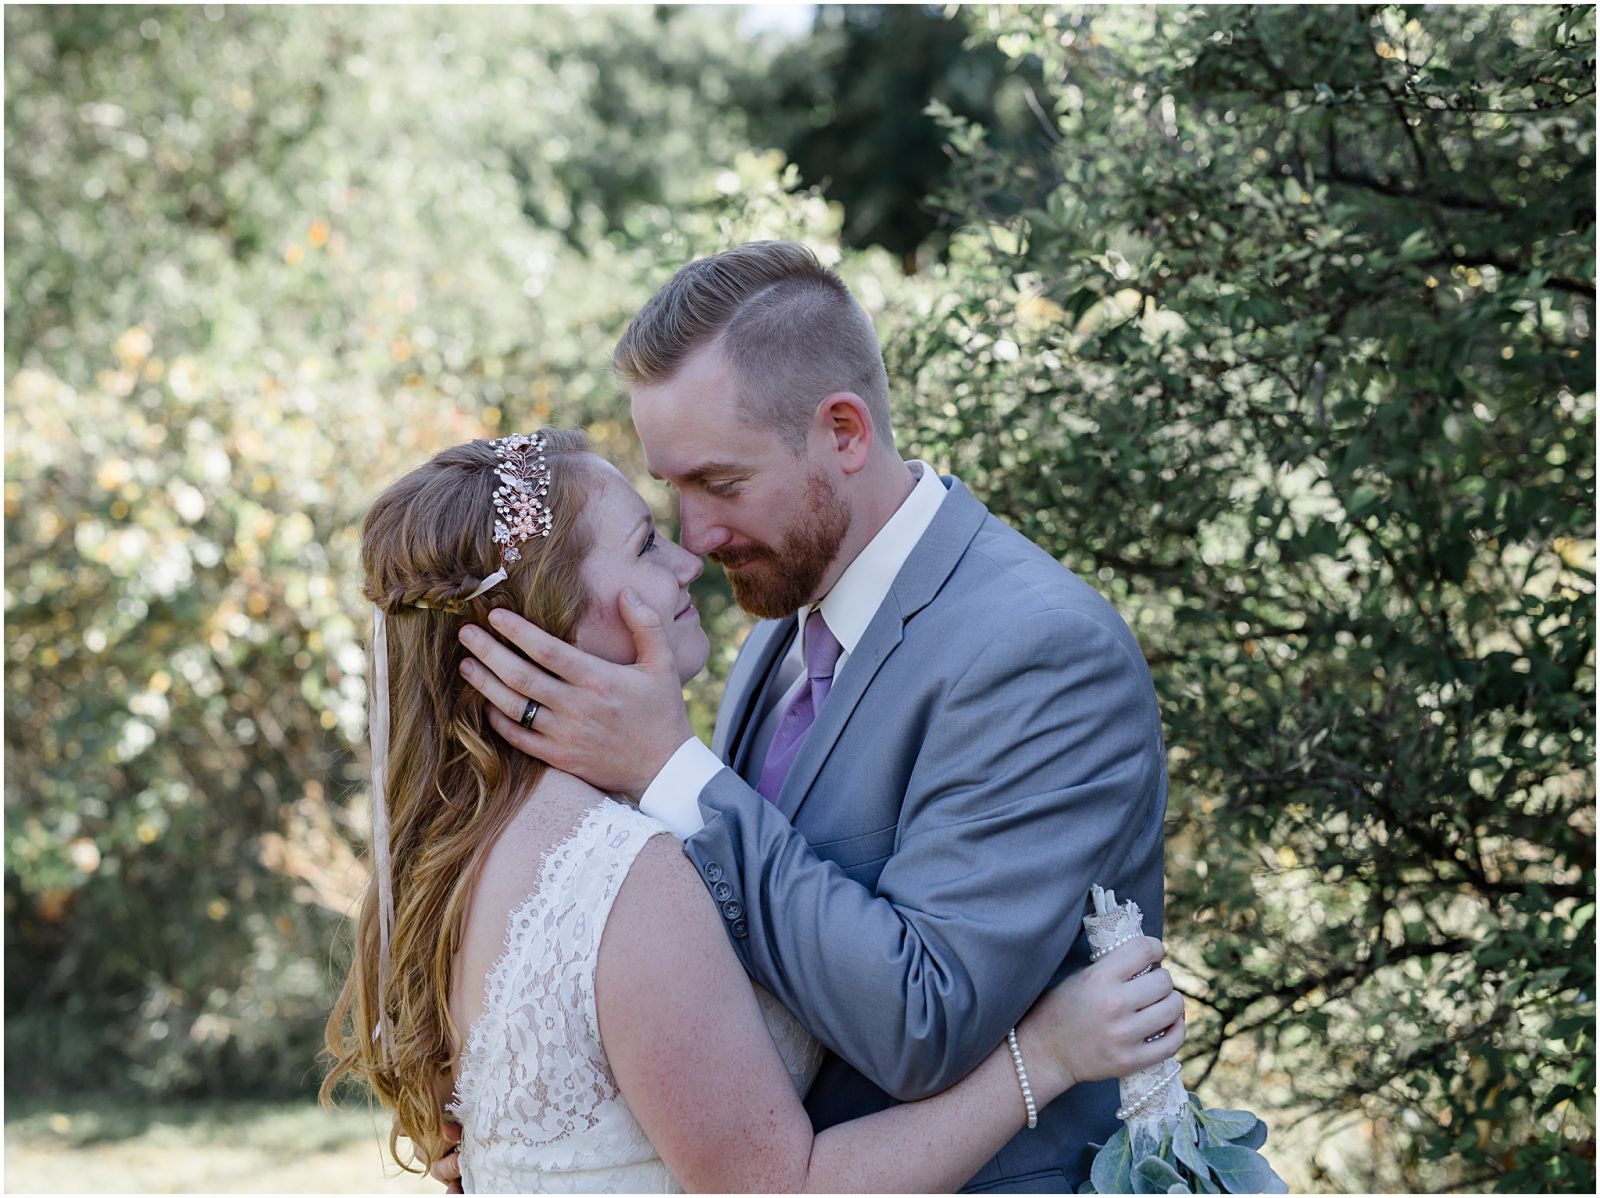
column 1144, row 1143
column 1110, row 1169
column 1226, row 1124
column 1254, row 1138
column 1243, row 1170
column 1186, row 1145
column 1152, row 1175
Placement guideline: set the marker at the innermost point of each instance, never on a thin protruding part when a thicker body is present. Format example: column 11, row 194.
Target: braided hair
column 452, row 783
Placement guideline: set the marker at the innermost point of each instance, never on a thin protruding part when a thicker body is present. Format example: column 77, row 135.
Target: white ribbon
column 498, row 576
column 378, row 726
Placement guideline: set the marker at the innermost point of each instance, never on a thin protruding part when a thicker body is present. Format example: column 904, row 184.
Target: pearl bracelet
column 1022, row 1080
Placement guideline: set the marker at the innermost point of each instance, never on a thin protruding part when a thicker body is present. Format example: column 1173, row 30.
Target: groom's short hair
column 787, row 325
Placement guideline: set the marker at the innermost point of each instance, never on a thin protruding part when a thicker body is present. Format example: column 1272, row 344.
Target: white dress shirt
column 674, row 796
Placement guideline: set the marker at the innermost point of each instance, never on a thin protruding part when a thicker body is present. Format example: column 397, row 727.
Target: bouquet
column 1169, row 1143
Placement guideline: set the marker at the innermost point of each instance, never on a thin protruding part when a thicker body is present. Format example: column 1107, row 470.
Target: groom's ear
column 843, row 419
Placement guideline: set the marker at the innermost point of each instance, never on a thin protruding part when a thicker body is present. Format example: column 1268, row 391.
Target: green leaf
column 1109, row 1172
column 1556, row 1097
column 1254, row 1138
column 1243, row 1170
column 1186, row 1145
column 1145, row 1143
column 1223, row 1124
column 1152, row 1175
column 1571, row 1024
column 1362, row 500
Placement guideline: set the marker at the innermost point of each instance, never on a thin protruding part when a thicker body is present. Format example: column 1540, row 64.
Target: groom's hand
column 447, row 1169
column 613, row 726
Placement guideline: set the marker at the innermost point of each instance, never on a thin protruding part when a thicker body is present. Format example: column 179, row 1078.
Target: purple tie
column 822, row 654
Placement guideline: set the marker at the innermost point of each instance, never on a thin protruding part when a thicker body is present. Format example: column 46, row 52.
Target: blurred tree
column 259, row 261
column 1290, row 351
column 848, row 106
column 1293, row 353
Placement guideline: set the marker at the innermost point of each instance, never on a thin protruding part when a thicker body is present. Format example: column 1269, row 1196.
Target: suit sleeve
column 1038, row 776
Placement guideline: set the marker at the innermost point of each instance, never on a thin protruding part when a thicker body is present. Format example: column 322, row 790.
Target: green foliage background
column 1274, row 323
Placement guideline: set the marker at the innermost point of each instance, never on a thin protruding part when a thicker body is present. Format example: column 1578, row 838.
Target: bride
column 542, row 964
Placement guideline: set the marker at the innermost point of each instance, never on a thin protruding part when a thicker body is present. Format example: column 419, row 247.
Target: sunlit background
column 1276, row 324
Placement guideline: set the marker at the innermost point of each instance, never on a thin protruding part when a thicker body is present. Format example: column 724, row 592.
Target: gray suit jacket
column 990, row 750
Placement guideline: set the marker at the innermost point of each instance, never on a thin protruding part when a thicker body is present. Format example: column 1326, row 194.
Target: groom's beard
column 779, row 582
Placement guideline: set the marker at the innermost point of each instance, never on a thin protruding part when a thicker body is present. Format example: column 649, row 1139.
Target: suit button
column 732, row 909
column 722, row 892
column 740, row 929
column 713, row 872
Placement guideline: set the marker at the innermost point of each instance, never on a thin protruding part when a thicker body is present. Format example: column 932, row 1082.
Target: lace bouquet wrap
column 1169, row 1143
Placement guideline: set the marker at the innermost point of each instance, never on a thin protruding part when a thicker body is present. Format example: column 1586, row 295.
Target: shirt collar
column 855, row 598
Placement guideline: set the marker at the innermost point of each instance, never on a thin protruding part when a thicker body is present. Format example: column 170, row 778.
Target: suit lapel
column 924, row 574
column 881, row 639
column 737, row 714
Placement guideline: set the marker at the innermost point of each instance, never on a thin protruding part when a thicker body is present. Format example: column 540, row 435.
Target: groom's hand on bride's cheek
column 614, row 726
column 447, row 1169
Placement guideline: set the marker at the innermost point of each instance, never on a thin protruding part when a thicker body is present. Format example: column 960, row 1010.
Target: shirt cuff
column 674, row 797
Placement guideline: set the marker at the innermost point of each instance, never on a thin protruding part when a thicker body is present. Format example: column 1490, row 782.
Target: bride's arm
column 689, row 1049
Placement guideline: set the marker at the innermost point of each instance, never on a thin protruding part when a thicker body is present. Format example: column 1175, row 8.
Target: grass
column 127, row 1146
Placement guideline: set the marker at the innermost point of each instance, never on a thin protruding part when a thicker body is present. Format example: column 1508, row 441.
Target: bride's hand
column 1095, row 1024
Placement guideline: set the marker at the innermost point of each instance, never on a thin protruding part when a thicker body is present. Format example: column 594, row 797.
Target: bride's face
column 626, row 551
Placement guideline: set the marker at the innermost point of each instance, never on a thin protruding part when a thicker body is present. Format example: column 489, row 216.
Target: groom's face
column 769, row 516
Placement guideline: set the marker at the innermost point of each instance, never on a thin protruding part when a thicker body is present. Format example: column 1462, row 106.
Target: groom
column 933, row 744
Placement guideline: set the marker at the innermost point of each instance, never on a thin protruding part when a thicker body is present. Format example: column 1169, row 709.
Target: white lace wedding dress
column 539, row 1110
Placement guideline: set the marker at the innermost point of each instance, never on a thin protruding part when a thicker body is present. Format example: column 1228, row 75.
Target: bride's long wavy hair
column 452, row 784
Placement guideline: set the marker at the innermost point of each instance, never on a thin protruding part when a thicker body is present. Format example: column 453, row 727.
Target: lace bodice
column 538, row 1107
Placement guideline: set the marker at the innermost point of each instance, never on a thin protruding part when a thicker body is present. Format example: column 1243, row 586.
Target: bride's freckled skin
column 627, row 551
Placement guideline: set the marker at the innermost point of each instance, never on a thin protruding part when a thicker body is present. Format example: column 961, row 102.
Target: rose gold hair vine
column 521, row 512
